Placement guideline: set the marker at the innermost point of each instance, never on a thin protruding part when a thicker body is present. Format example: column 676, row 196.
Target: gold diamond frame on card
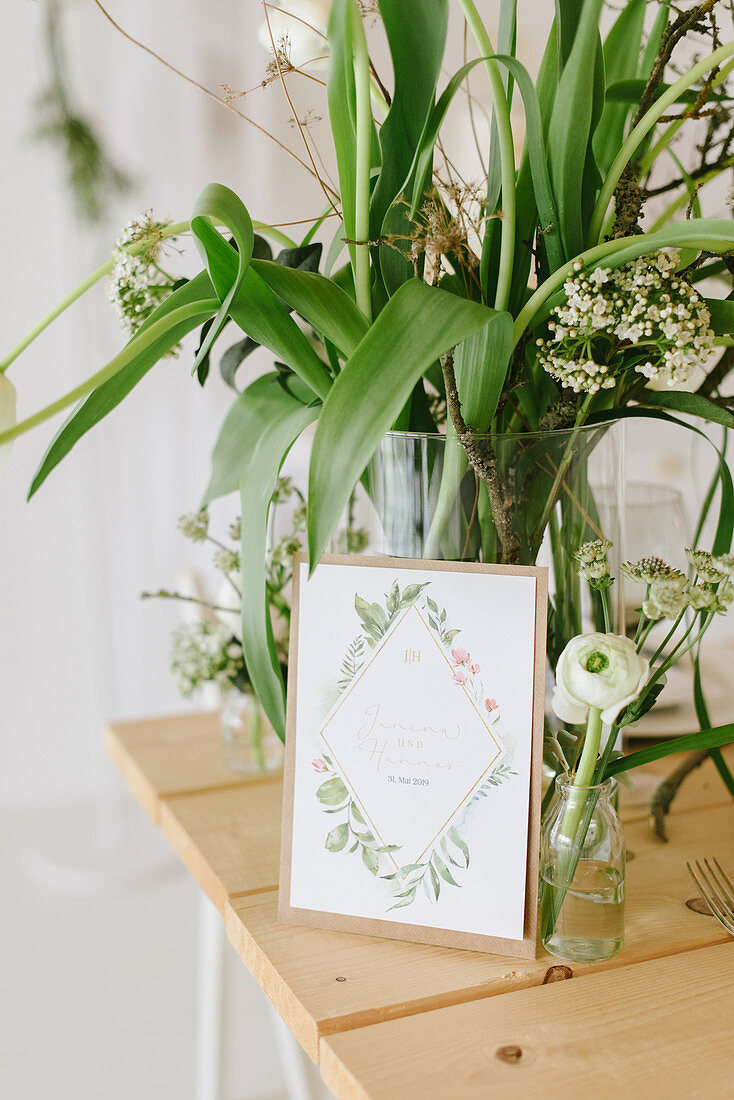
column 380, row 653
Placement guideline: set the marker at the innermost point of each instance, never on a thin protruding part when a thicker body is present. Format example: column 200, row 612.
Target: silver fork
column 716, row 889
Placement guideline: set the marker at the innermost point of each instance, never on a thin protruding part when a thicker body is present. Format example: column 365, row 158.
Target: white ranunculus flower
column 8, row 416
column 291, row 18
column 597, row 670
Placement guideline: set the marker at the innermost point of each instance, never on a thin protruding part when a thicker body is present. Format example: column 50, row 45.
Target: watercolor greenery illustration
column 448, row 857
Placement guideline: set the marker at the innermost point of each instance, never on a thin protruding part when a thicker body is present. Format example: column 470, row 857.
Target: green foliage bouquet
column 544, row 298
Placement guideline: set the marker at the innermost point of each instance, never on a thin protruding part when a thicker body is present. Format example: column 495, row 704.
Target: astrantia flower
column 647, row 570
column 666, row 599
column 597, row 670
column 137, row 285
column 701, row 597
column 641, row 314
column 194, row 525
column 722, row 598
column 8, row 415
column 724, row 563
column 704, row 564
column 593, row 565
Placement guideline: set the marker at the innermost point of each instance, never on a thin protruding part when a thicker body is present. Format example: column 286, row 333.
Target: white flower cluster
column 593, row 565
column 195, row 525
column 228, row 561
column 640, row 315
column 137, row 285
column 670, row 593
column 203, row 651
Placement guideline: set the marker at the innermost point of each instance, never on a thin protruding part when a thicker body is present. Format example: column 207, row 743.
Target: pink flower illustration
column 460, row 656
column 474, row 667
column 491, row 704
column 319, row 765
column 459, row 676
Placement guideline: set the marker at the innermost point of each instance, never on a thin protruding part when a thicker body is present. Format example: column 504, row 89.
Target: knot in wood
column 340, row 979
column 698, row 905
column 509, row 1054
column 557, row 974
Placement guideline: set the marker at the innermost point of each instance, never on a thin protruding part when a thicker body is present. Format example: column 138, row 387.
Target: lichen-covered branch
column 662, row 800
column 484, row 463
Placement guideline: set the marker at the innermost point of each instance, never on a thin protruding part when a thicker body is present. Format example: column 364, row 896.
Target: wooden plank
column 298, row 968
column 229, row 838
column 662, row 1028
column 163, row 756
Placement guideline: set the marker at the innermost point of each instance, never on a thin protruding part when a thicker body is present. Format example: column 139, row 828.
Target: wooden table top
column 391, row 1019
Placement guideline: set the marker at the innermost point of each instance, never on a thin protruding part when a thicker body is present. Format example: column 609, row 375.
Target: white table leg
column 297, row 1066
column 209, row 1003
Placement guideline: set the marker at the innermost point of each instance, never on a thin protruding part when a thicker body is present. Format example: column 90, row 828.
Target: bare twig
column 202, row 88
column 329, row 192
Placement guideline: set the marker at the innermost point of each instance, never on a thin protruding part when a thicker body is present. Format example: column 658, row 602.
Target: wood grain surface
column 658, row 1029
column 337, row 989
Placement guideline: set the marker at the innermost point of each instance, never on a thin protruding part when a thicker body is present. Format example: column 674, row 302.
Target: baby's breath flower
column 651, row 569
column 284, row 490
column 227, row 560
column 299, row 516
column 195, row 525
column 646, row 316
column 704, row 564
column 666, row 600
column 285, row 549
column 235, row 530
column 204, row 651
column 136, row 284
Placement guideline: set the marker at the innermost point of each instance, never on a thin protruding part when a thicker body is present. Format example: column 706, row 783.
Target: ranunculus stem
column 584, row 775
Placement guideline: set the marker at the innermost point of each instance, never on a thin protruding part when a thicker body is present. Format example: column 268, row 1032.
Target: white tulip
column 604, row 671
column 8, row 415
column 290, row 19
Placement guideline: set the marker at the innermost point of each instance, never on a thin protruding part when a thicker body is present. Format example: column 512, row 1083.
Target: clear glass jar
column 249, row 742
column 582, row 873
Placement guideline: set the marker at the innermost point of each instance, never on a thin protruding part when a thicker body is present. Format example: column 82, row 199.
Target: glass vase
column 538, row 496
column 582, row 874
column 249, row 742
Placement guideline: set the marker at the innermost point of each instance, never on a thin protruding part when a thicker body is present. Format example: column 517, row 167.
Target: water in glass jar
column 590, row 926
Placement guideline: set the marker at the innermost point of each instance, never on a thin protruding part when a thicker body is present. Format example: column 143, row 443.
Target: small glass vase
column 582, row 873
column 249, row 742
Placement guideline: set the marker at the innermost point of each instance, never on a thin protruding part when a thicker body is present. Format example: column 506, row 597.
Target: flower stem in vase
column 574, row 824
column 256, row 735
column 584, row 775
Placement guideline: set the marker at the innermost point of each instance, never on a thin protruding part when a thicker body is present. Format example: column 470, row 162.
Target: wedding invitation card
column 414, row 749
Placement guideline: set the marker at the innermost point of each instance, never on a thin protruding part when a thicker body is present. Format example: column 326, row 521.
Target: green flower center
column 597, row 662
